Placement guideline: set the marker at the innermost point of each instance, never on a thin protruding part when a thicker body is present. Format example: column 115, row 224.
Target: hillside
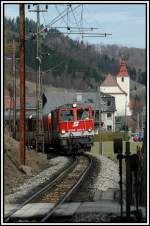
column 14, row 173
column 134, row 57
column 72, row 64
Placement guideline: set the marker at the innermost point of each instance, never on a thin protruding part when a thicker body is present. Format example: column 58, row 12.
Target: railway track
column 59, row 190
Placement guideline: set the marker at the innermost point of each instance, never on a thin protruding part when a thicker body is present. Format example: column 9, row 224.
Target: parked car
column 137, row 136
column 141, row 135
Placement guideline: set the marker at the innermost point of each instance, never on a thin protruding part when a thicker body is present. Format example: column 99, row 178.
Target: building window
column 102, row 124
column 109, row 115
column 122, row 79
column 108, row 102
column 109, row 127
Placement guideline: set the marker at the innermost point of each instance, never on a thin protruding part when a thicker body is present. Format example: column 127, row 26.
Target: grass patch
column 108, row 149
column 110, row 136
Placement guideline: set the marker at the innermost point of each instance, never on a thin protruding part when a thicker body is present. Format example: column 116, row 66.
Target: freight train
column 69, row 128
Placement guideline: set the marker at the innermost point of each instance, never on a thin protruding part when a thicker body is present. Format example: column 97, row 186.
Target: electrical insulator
column 46, row 6
column 28, row 6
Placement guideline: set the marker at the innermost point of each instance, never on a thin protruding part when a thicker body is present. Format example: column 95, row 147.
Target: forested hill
column 72, row 64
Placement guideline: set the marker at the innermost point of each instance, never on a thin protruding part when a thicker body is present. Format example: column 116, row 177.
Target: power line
column 86, row 33
column 43, row 16
column 62, row 15
column 55, row 20
column 97, row 36
column 74, row 17
column 84, row 28
column 59, row 14
column 82, row 20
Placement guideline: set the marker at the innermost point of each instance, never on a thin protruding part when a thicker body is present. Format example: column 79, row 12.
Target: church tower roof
column 123, row 72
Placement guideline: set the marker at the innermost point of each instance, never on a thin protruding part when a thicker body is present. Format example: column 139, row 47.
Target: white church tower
column 123, row 81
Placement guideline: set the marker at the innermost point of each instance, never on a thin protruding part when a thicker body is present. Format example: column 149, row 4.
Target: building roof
column 89, row 98
column 109, row 81
column 56, row 99
column 30, row 102
column 123, row 72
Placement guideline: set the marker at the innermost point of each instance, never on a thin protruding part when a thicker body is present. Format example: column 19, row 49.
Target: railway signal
column 118, row 148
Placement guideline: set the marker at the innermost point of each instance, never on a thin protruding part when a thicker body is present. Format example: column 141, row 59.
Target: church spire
column 123, row 72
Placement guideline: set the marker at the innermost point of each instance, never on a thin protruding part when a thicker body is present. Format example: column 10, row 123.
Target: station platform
column 38, row 210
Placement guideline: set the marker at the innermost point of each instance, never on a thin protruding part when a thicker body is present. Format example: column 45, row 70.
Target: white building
column 120, row 89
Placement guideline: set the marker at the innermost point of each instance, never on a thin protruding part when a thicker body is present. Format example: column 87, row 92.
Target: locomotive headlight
column 63, row 131
column 90, row 130
column 74, row 105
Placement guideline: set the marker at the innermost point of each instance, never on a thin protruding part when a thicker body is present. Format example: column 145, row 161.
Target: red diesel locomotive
column 70, row 128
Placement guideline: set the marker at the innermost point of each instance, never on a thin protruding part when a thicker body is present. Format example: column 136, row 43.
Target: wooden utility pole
column 14, row 86
column 22, row 82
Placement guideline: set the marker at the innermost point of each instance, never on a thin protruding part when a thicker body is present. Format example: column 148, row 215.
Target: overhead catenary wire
column 67, row 17
column 59, row 14
column 43, row 16
column 98, row 36
column 84, row 28
column 55, row 20
column 74, row 17
column 82, row 20
column 87, row 33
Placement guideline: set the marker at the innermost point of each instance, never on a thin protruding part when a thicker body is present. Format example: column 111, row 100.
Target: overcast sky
column 126, row 22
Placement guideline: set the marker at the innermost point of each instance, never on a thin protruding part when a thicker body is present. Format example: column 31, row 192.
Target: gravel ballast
column 108, row 176
column 31, row 185
column 103, row 181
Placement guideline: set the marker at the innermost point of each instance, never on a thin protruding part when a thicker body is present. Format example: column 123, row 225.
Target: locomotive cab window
column 83, row 114
column 67, row 115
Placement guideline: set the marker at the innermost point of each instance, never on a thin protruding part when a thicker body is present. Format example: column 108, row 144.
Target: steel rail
column 48, row 186
column 70, row 192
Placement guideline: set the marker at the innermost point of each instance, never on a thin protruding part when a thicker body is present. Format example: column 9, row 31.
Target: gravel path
column 57, row 164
